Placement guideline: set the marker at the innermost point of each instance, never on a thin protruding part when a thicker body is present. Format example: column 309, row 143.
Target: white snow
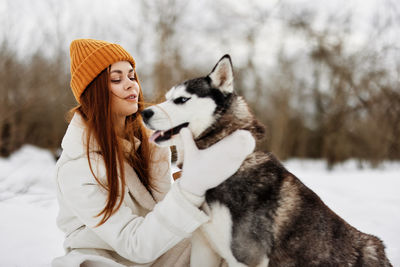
column 28, row 208
column 367, row 198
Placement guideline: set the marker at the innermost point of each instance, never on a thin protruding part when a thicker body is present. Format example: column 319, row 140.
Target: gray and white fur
column 263, row 215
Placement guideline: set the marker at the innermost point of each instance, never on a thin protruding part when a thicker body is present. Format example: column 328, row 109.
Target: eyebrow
column 120, row 71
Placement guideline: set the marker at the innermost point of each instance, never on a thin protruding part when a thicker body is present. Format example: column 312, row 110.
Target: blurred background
column 323, row 76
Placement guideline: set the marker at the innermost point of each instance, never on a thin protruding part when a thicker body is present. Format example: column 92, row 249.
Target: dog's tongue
column 154, row 136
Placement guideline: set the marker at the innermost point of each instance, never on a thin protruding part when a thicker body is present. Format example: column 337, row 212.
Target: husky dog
column 262, row 215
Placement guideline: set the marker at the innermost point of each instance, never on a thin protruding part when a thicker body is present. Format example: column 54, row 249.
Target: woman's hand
column 207, row 168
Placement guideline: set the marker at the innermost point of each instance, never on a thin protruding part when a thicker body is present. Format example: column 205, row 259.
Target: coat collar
column 74, row 141
column 138, row 190
column 74, row 145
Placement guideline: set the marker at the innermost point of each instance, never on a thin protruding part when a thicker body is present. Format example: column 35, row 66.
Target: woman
column 117, row 205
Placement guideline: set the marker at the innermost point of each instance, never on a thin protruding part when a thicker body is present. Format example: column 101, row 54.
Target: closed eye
column 181, row 100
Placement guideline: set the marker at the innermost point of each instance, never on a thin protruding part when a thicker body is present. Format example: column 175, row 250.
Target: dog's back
column 282, row 220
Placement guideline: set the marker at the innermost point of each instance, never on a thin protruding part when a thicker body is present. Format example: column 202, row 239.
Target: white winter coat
column 146, row 231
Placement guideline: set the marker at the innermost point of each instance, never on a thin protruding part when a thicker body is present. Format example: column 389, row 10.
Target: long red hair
column 95, row 108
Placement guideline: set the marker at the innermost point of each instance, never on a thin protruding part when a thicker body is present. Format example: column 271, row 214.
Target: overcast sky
column 29, row 25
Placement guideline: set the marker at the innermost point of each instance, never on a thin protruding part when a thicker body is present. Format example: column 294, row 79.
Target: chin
column 131, row 111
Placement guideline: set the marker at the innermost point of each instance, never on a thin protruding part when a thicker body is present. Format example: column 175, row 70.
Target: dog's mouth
column 160, row 136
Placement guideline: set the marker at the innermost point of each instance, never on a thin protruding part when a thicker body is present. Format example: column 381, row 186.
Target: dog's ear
column 222, row 75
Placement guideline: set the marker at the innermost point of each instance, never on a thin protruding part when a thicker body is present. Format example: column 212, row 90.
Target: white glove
column 207, row 168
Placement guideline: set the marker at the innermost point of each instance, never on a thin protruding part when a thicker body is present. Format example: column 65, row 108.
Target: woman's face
column 124, row 89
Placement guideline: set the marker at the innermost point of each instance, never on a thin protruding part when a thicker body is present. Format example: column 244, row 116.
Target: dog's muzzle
column 160, row 136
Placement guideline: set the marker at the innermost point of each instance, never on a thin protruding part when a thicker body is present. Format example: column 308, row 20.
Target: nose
column 131, row 84
column 147, row 114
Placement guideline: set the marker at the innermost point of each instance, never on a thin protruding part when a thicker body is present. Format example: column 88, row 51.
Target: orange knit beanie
column 89, row 58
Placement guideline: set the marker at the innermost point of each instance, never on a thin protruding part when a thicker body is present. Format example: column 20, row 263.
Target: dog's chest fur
column 242, row 211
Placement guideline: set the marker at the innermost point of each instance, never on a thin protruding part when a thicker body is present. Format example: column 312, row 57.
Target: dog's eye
column 181, row 100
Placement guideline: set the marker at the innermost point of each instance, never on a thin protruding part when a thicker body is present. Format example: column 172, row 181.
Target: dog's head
column 200, row 104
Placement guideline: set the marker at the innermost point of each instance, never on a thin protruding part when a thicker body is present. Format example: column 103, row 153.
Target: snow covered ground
column 369, row 199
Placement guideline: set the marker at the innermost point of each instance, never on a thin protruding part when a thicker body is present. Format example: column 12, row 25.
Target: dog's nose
column 147, row 114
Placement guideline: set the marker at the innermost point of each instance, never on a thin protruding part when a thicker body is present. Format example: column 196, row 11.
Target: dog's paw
column 245, row 140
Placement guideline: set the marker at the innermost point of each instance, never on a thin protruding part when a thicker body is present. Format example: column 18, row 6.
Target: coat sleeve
column 139, row 239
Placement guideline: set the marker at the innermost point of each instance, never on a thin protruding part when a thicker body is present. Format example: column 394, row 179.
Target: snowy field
column 369, row 199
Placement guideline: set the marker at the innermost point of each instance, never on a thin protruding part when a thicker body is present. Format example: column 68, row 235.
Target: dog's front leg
column 202, row 254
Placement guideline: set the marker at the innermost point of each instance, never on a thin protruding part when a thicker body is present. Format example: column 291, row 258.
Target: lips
column 131, row 97
column 159, row 136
